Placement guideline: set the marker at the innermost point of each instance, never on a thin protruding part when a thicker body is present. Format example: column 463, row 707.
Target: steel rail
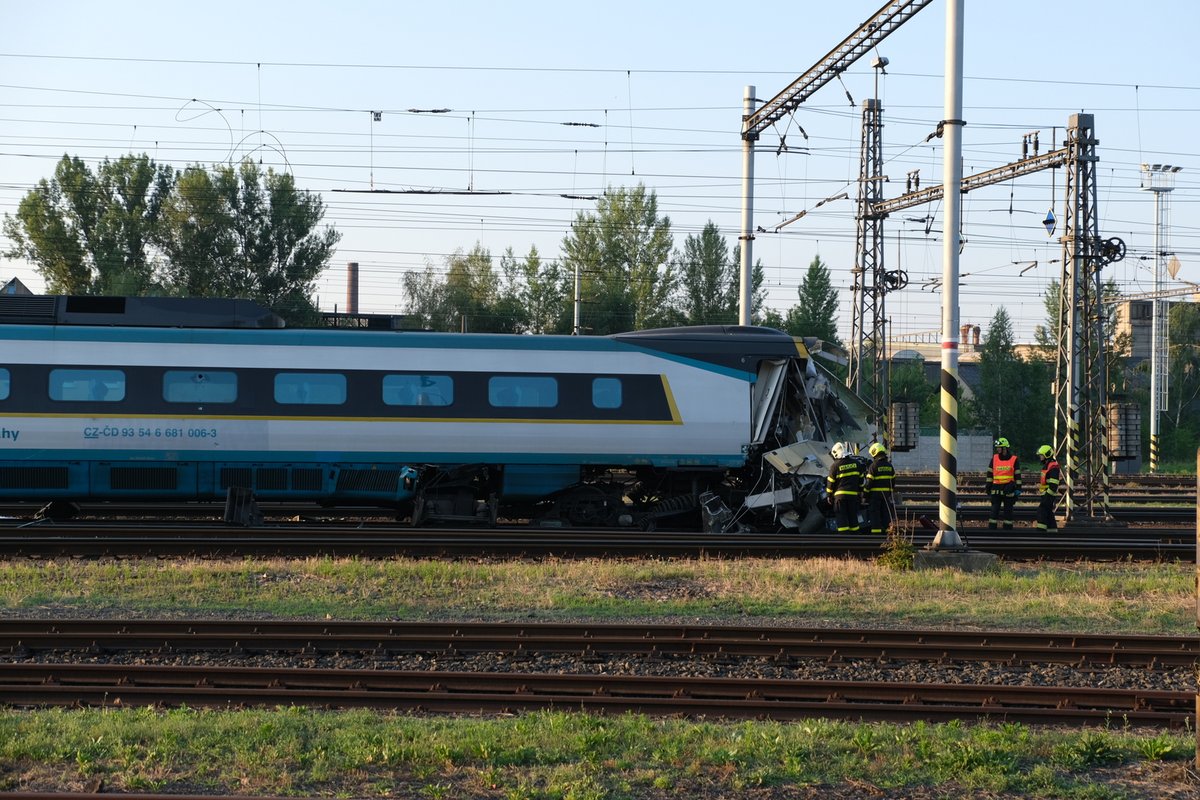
column 31, row 685
column 121, row 540
column 25, row 637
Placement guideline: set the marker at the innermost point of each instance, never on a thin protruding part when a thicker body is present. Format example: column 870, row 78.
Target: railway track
column 146, row 539
column 25, row 637
column 492, row 693
column 28, row 678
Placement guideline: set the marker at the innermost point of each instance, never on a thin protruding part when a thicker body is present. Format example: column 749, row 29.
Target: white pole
column 747, row 237
column 951, row 183
column 1156, row 335
column 578, row 302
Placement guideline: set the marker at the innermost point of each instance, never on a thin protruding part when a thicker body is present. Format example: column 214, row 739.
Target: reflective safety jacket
column 1004, row 473
column 880, row 475
column 1050, row 478
column 845, row 477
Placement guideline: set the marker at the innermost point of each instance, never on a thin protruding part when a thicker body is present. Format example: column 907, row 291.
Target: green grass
column 559, row 755
column 1086, row 597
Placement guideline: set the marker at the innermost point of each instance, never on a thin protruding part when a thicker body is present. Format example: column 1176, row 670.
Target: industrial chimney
column 352, row 287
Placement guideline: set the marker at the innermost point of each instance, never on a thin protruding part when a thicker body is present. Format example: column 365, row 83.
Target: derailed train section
column 724, row 427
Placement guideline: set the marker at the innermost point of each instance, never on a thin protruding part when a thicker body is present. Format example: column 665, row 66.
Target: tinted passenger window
column 4, row 379
column 606, row 392
column 522, row 391
column 85, row 385
column 196, row 386
column 418, row 390
column 310, row 388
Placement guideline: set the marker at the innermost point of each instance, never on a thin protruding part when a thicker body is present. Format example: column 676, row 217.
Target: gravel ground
column 1175, row 679
column 1183, row 679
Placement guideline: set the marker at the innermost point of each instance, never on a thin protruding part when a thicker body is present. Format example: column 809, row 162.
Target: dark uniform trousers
column 878, row 489
column 1004, row 483
column 1048, row 498
column 844, row 485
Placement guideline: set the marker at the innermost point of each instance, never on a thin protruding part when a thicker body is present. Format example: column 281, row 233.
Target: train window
column 522, row 391
column 83, row 385
column 606, row 392
column 310, row 388
column 418, row 390
column 4, row 381
column 194, row 386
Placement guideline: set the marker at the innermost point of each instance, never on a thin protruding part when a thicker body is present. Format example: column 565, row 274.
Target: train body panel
column 574, row 429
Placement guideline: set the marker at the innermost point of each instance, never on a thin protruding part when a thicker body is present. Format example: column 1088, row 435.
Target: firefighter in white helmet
column 843, row 487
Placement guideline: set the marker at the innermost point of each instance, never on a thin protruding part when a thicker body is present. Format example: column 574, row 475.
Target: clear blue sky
column 658, row 87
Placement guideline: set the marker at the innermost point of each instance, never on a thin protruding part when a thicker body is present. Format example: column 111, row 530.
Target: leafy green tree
column 472, row 290
column 758, row 290
column 427, row 299
column 909, row 384
column 239, row 232
column 997, row 370
column 1013, row 396
column 709, row 280
column 93, row 233
column 534, row 292
column 622, row 252
column 1181, row 422
column 135, row 228
column 1045, row 335
column 816, row 313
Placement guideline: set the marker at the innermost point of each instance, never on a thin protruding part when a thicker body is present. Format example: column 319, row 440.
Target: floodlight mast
column 880, row 25
column 1159, row 179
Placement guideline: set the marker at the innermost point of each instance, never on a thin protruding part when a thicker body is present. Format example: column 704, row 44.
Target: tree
column 1013, row 397
column 93, row 233
column 533, row 292
column 136, row 228
column 426, row 299
column 622, row 252
column 1046, row 335
column 242, row 233
column 709, row 281
column 472, row 290
column 816, row 313
column 1183, row 382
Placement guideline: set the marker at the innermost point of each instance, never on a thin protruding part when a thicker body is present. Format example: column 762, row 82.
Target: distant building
column 1134, row 320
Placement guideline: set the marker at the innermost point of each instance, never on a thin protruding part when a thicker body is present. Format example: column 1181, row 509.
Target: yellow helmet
column 1002, row 442
column 1045, row 451
column 876, row 448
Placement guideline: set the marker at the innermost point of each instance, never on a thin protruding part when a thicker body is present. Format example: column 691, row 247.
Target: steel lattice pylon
column 868, row 373
column 1081, row 375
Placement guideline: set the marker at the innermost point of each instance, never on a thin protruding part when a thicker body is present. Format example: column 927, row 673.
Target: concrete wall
column 974, row 455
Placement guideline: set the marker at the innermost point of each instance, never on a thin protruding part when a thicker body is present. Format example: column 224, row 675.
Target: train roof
column 173, row 312
column 733, row 347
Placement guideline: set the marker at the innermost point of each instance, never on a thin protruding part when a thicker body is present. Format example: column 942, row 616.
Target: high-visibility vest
column 1050, row 478
column 1003, row 469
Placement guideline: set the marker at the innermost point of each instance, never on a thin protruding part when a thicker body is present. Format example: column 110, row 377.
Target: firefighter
column 878, row 486
column 1047, row 491
column 843, row 487
column 1004, row 484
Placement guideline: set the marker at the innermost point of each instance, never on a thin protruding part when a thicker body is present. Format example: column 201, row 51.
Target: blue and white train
column 168, row 399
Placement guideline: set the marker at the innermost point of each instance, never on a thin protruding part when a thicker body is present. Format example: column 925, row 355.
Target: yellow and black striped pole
column 951, row 126
column 948, row 456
